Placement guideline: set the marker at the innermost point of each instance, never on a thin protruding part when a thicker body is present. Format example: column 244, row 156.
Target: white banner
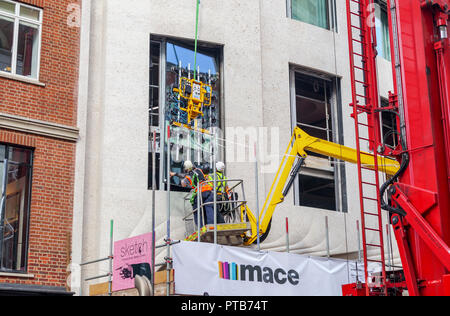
column 231, row 271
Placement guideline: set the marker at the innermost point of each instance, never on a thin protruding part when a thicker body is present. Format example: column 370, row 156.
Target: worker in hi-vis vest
column 222, row 189
column 194, row 178
column 221, row 180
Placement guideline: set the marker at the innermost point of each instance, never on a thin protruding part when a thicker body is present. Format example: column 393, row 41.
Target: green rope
column 196, row 39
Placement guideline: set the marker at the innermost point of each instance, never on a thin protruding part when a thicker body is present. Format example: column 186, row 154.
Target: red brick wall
column 51, row 208
column 54, row 160
column 56, row 102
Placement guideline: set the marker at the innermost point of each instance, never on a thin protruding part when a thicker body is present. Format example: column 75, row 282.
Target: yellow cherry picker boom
column 290, row 166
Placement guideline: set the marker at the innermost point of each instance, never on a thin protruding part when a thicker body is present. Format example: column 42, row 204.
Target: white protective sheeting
column 232, row 271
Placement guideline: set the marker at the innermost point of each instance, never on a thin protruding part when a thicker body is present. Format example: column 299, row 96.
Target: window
column 20, row 36
column 320, row 13
column 382, row 30
column 166, row 55
column 389, row 127
column 15, row 188
column 312, row 106
column 321, row 182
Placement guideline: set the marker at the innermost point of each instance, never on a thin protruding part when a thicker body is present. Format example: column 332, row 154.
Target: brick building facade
column 39, row 62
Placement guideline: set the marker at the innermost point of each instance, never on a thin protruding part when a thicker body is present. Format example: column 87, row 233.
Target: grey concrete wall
column 260, row 43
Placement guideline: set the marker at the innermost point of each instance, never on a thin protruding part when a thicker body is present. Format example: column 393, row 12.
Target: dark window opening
column 313, row 106
column 15, row 192
column 318, row 192
column 316, row 106
column 389, row 127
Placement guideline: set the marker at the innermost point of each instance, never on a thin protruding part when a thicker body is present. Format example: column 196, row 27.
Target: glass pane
column 186, row 144
column 311, row 112
column 382, row 29
column 176, row 53
column 314, row 12
column 29, row 13
column 6, row 43
column 27, row 50
column 2, row 152
column 7, row 7
column 15, row 219
column 19, row 155
column 310, row 87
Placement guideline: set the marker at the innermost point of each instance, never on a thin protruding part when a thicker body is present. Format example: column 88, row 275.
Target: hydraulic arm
column 292, row 161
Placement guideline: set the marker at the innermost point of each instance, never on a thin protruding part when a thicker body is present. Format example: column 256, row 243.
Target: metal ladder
column 365, row 102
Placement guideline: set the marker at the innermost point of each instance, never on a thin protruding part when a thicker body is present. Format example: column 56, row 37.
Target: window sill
column 17, row 275
column 21, row 78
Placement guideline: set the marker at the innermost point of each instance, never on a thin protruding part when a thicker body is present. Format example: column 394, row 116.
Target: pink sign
column 132, row 257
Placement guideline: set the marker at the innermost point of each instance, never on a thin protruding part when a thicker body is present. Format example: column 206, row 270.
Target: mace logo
column 234, row 272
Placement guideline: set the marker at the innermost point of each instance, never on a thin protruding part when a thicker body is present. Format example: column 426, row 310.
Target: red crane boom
column 419, row 195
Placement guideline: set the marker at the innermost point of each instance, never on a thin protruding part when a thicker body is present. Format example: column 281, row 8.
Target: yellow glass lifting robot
column 197, row 94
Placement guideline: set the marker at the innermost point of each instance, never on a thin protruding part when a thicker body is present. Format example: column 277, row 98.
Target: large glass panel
column 314, row 12
column 6, row 43
column 188, row 144
column 7, row 7
column 27, row 50
column 208, row 63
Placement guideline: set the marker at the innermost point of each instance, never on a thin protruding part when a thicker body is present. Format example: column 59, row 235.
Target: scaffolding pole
column 168, row 241
column 258, row 240
column 327, row 237
column 287, row 235
column 153, row 212
column 215, row 187
column 110, row 259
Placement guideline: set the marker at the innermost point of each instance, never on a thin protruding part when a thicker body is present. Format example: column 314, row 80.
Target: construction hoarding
column 215, row 270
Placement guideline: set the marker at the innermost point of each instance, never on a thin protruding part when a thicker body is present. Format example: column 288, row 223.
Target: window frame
column 331, row 14
column 161, row 129
column 27, row 212
column 17, row 19
column 336, row 170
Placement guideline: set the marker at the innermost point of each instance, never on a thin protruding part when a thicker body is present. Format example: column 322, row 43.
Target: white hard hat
column 188, row 165
column 220, row 166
